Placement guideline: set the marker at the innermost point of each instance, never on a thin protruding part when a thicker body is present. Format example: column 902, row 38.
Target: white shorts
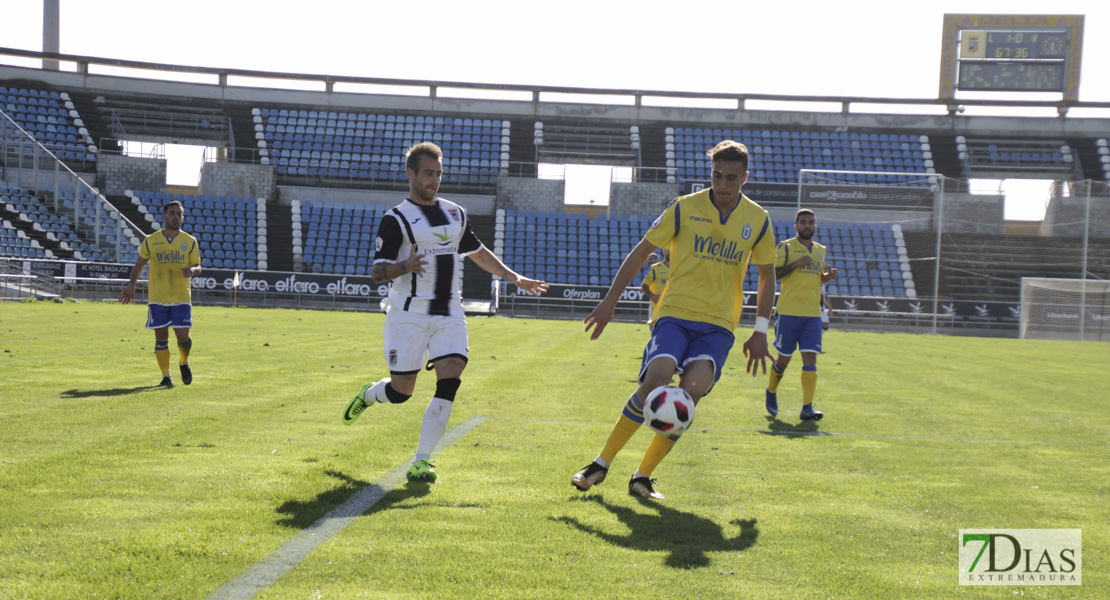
column 414, row 341
column 824, row 316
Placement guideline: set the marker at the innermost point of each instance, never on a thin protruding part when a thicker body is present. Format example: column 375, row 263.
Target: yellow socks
column 776, row 377
column 631, row 418
column 658, row 449
column 162, row 353
column 809, row 384
column 185, row 347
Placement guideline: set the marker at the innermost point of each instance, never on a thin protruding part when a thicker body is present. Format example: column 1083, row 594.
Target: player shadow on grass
column 794, row 431
column 687, row 537
column 107, row 393
column 303, row 513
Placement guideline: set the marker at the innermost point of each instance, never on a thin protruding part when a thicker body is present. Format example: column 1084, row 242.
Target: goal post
column 1065, row 309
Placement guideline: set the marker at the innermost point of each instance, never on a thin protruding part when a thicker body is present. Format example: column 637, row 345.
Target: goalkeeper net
column 1065, row 309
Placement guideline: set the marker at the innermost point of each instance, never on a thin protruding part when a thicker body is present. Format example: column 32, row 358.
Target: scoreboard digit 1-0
column 1011, row 53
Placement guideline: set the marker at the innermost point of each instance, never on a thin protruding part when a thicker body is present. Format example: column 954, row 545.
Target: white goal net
column 1065, row 309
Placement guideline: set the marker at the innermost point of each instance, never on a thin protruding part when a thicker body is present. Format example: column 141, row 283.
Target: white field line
column 291, row 553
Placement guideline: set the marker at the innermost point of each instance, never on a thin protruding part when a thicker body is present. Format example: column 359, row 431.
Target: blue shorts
column 687, row 341
column 803, row 333
column 164, row 315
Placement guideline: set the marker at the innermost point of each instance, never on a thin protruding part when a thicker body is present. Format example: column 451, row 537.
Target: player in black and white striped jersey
column 420, row 248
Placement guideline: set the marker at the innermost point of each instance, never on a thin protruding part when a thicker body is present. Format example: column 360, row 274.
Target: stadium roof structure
column 336, row 92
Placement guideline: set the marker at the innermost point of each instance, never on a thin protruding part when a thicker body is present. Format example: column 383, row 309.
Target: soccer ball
column 669, row 410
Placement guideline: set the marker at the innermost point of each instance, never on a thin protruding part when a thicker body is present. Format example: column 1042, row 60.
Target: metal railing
column 536, row 94
column 29, row 164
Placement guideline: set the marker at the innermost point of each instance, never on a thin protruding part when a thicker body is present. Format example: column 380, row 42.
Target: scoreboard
column 1011, row 53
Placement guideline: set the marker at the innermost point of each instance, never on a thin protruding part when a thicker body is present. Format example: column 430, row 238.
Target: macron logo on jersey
column 722, row 250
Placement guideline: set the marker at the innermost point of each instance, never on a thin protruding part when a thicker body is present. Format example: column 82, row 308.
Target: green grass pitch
column 112, row 489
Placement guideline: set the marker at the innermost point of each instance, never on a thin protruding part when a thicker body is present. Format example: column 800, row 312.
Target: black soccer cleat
column 186, row 374
column 644, row 487
column 591, row 474
column 167, row 382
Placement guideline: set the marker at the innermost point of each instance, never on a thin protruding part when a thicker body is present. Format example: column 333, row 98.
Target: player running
column 420, row 248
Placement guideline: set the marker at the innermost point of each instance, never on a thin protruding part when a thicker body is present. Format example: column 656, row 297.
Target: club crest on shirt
column 184, row 246
column 378, row 244
column 454, row 214
column 747, row 232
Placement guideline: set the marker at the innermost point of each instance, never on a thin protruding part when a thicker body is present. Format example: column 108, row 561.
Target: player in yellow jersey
column 174, row 258
column 656, row 280
column 710, row 236
column 802, row 265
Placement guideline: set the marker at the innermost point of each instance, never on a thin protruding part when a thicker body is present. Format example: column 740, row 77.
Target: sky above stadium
column 806, row 48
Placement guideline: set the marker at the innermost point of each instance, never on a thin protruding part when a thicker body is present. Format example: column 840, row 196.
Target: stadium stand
column 568, row 248
column 356, row 147
column 873, row 258
column 231, row 231
column 778, row 155
column 1045, row 157
column 556, row 142
column 51, row 118
column 345, row 145
column 57, row 228
column 1103, row 157
column 16, row 244
column 334, row 237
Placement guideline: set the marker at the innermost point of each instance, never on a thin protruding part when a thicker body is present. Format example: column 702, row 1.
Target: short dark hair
column 422, row 149
column 804, row 211
column 730, row 150
column 166, row 206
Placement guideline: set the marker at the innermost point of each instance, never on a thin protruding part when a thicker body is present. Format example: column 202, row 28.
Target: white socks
column 433, row 426
column 377, row 391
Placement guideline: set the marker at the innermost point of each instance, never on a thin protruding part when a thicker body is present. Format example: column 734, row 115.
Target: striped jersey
column 167, row 256
column 442, row 232
column 709, row 256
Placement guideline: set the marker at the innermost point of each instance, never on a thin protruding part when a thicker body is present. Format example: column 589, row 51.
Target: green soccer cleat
column 422, row 470
column 356, row 405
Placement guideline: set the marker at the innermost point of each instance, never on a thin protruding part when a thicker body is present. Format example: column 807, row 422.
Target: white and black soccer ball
column 669, row 410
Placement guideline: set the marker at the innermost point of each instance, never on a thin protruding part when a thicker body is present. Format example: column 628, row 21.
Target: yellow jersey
column 166, row 284
column 801, row 289
column 709, row 256
column 656, row 280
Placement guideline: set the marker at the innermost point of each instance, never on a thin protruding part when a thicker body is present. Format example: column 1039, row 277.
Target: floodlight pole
column 51, row 32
